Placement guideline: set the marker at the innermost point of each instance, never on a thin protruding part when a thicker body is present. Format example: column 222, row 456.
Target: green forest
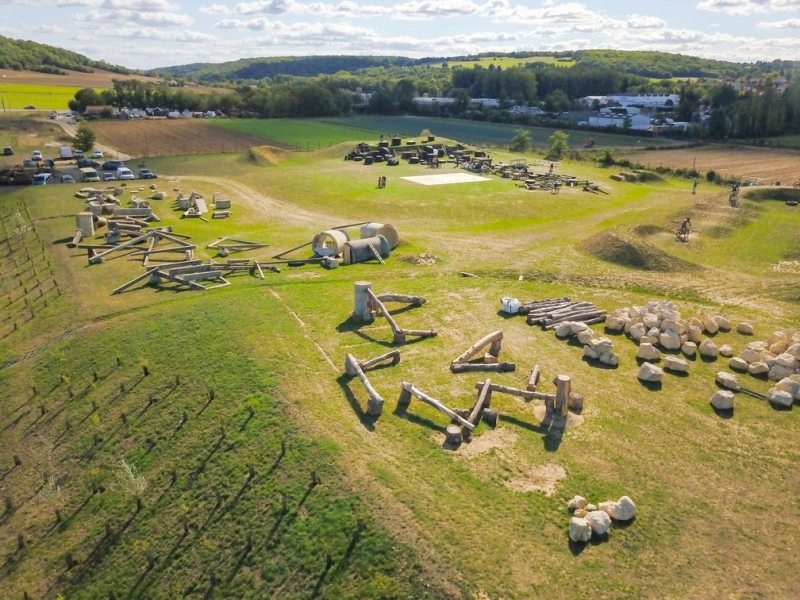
column 21, row 55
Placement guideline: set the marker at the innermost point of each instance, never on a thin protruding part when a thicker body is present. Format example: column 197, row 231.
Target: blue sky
column 154, row 33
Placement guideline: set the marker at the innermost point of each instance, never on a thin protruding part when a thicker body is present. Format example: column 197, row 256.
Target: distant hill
column 21, row 55
column 662, row 65
column 259, row 68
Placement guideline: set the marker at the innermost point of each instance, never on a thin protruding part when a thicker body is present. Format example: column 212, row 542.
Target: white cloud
column 216, row 9
column 123, row 17
column 151, row 33
column 747, row 7
column 644, row 22
column 786, row 24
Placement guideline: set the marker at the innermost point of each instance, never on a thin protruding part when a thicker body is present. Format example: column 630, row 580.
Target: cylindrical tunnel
column 362, row 250
column 329, row 243
column 388, row 231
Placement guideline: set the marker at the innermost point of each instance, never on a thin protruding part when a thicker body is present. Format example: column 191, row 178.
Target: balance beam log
column 484, row 399
column 402, row 298
column 408, row 390
column 353, row 369
column 393, row 355
column 503, row 367
column 495, row 339
column 524, row 394
column 533, row 380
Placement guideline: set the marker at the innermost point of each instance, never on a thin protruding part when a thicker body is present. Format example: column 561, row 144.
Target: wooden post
column 490, row 417
column 362, row 311
column 405, row 396
column 453, row 437
column 533, row 380
column 563, row 386
column 490, row 367
column 484, row 398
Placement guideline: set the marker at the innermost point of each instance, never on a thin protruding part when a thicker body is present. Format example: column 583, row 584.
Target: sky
column 144, row 34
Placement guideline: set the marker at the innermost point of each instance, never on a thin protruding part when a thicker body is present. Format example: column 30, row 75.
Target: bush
column 711, row 176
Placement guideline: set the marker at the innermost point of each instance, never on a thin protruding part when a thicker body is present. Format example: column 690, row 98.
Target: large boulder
column 578, row 326
column 777, row 372
column 722, row 323
column 726, row 351
column 689, row 348
column 780, row 397
column 744, row 329
column 727, row 380
column 758, row 368
column 590, row 353
column 678, row 327
column 676, row 365
column 670, row 340
column 708, row 349
column 790, row 384
column 585, row 335
column 615, row 324
column 710, row 325
column 648, row 352
column 564, row 330
column 576, row 502
column 599, row 521
column 794, row 350
column 695, row 334
column 610, row 359
column 722, row 400
column 738, row 364
column 637, row 331
column 601, row 345
column 651, row 320
column 786, row 360
column 650, row 373
column 623, row 509
column 579, row 530
column 751, row 355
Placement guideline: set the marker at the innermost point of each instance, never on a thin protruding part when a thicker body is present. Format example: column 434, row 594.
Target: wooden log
column 503, row 367
column 482, row 403
column 533, row 380
column 402, row 298
column 524, row 394
column 401, row 334
column 595, row 316
column 493, row 339
column 393, row 355
column 420, row 395
column 563, row 388
column 575, row 402
column 375, row 401
column 548, row 310
column 76, row 239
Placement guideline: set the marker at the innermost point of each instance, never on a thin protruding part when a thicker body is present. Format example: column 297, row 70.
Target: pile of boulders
column 776, row 358
column 595, row 520
column 594, row 347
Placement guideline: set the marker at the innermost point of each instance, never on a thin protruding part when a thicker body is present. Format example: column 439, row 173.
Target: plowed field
column 163, row 137
column 767, row 166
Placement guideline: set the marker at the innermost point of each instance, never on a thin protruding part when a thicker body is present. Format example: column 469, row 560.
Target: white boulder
column 589, row 352
column 650, row 373
column 637, row 331
column 564, row 329
column 722, row 400
column 750, row 355
column 786, row 360
column 727, row 380
column 599, row 521
column 689, row 348
column 676, row 365
column 585, row 335
column 744, row 329
column 579, row 530
column 726, row 351
column 723, row 323
column 669, row 340
column 738, row 364
column 794, row 350
column 710, row 325
column 610, row 359
column 648, row 352
column 758, row 368
column 780, row 397
column 708, row 349
column 578, row 326
column 791, row 385
column 651, row 320
column 615, row 324
column 601, row 345
column 607, row 507
column 777, row 372
column 623, row 509
column 576, row 503
column 695, row 334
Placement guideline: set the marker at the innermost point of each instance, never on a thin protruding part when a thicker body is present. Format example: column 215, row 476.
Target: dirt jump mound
column 628, row 250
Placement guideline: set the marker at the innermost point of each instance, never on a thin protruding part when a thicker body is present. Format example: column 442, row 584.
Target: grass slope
column 43, row 97
column 277, row 345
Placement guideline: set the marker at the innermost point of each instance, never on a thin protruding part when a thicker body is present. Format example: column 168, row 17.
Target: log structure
column 488, row 361
column 368, row 305
column 355, row 369
column 549, row 313
column 408, row 391
column 498, row 367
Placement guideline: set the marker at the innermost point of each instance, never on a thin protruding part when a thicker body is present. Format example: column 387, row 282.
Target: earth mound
column 630, row 251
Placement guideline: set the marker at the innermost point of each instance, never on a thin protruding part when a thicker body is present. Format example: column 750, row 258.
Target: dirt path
column 269, row 207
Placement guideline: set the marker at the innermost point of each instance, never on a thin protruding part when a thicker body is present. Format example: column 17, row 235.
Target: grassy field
column 43, row 97
column 321, row 133
column 486, row 521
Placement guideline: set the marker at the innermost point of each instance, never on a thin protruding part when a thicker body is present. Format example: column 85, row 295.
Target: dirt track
column 766, row 165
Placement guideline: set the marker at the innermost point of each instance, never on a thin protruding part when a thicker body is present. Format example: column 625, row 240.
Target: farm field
column 393, row 514
column 298, row 134
column 76, row 79
column 157, row 137
column 491, row 134
column 43, row 97
column 766, row 165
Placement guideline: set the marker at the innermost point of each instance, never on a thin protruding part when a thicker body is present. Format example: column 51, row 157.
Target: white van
column 124, row 173
column 89, row 174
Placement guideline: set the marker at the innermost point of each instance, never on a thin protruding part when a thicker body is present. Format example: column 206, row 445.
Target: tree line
column 20, row 55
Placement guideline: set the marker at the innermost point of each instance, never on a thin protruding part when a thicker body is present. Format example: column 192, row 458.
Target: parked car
column 146, row 174
column 42, row 179
column 30, row 107
column 109, row 176
column 77, row 153
column 112, row 165
column 36, row 155
column 67, row 178
column 124, row 173
column 87, row 162
column 97, row 154
column 88, row 174
column 8, row 151
column 28, row 163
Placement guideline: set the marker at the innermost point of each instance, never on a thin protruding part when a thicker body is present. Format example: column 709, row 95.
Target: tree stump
column 453, row 437
column 576, row 402
column 489, row 417
column 362, row 311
